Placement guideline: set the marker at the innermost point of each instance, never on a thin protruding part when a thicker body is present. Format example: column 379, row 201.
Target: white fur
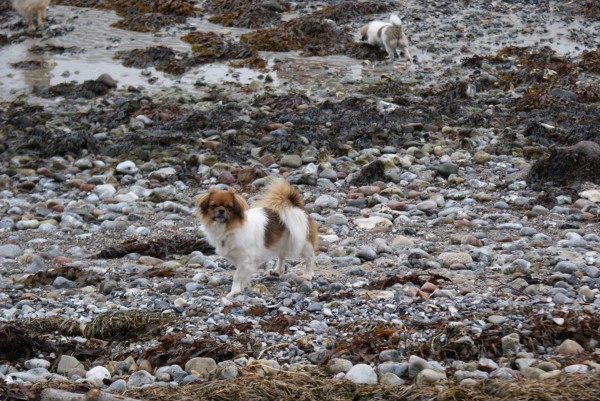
column 245, row 246
column 378, row 33
column 28, row 8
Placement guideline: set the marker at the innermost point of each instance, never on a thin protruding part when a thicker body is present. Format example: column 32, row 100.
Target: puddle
column 98, row 42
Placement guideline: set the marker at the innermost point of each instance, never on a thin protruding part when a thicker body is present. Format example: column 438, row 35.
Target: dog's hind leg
column 307, row 254
column 41, row 15
column 407, row 55
column 30, row 25
column 280, row 268
column 390, row 51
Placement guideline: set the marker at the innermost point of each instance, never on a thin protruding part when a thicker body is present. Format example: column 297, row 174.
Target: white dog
column 28, row 8
column 390, row 35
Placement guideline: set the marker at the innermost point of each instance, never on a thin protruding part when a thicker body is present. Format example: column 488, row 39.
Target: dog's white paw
column 308, row 276
column 226, row 301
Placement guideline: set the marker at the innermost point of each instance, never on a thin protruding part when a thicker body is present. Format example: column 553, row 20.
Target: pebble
column 439, row 223
column 362, row 374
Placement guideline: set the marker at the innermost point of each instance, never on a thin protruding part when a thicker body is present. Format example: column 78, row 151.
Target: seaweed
column 250, row 14
column 159, row 248
column 567, row 166
column 313, row 36
column 150, row 22
column 17, row 343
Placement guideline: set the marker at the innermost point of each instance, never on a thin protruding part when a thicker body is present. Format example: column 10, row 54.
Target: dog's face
column 221, row 206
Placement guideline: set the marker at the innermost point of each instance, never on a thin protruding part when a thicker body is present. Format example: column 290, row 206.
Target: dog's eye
column 213, row 206
column 229, row 207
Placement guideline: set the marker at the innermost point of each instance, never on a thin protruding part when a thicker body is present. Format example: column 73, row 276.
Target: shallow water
column 98, row 42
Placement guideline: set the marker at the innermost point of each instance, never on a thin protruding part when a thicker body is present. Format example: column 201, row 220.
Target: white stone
column 127, row 167
column 369, row 223
column 97, row 375
column 362, row 374
column 592, row 194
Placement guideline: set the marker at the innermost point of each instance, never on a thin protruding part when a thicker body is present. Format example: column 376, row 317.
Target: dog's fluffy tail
column 286, row 201
column 279, row 196
column 395, row 20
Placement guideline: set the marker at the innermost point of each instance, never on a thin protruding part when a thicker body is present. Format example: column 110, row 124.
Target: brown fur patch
column 312, row 233
column 274, row 229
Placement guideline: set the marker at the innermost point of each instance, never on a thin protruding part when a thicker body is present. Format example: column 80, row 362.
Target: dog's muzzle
column 220, row 216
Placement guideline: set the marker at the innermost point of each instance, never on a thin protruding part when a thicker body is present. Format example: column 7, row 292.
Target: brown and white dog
column 277, row 227
column 389, row 35
column 28, row 8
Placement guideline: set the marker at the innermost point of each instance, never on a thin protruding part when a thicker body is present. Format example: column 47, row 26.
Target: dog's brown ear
column 239, row 205
column 202, row 202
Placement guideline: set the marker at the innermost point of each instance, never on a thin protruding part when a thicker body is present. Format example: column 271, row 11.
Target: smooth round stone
column 476, row 374
column 496, row 319
column 336, row 219
column 230, row 372
column 370, row 223
column 117, row 385
column 430, row 376
column 576, row 369
column 510, row 344
column 27, row 224
column 37, row 363
column 326, row 202
column 140, row 378
column 10, row 251
column 127, row 167
column 362, row 374
column 98, row 374
column 337, row 365
column 163, row 174
column 427, row 205
column 503, row 373
column 450, row 258
column 565, row 266
column 569, row 348
column 32, row 375
column 389, row 355
column 61, row 283
column 366, row 253
column 390, row 379
column 201, row 366
column 293, row 161
column 416, row 364
column 447, row 169
column 531, row 373
column 560, row 299
column 67, row 363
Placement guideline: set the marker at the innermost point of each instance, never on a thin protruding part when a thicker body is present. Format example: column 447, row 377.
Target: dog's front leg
column 241, row 279
column 390, row 51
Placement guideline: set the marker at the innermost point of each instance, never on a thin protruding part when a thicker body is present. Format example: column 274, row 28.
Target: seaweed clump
column 548, row 79
column 250, row 14
column 313, row 36
column 568, row 165
column 207, row 47
column 89, row 89
column 149, row 22
column 141, row 16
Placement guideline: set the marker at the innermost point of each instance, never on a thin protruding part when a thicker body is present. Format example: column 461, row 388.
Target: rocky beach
column 458, row 200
